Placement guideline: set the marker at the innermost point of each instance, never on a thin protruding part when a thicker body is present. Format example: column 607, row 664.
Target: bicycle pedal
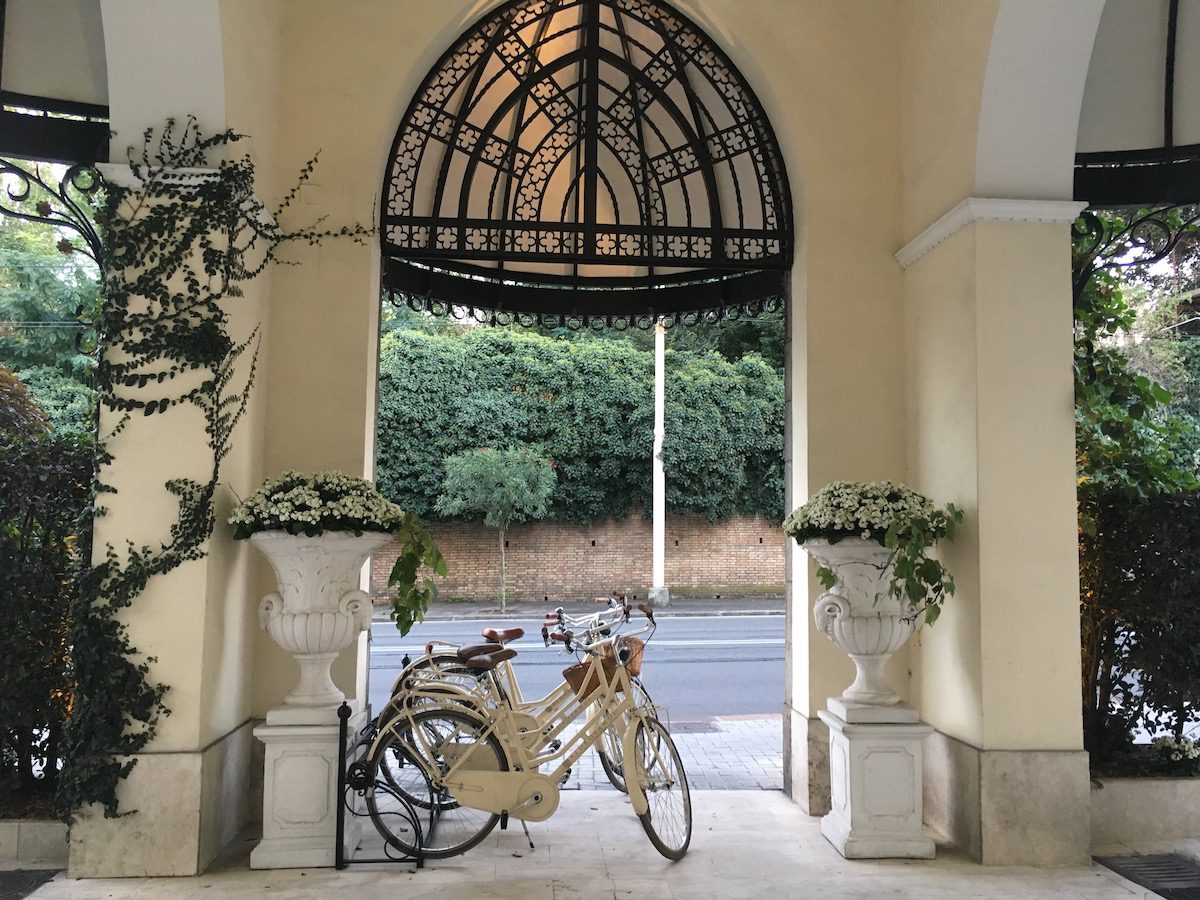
column 554, row 745
column 504, row 821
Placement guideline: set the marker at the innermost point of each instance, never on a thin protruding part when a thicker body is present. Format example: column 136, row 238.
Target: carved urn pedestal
column 875, row 741
column 875, row 781
column 318, row 611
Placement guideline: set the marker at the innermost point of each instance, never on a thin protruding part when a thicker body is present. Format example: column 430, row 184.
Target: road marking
column 452, row 623
column 419, row 650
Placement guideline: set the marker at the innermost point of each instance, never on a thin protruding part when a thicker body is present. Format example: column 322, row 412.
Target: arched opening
column 589, row 164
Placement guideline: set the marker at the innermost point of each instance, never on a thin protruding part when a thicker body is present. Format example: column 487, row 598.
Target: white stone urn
column 319, row 608
column 860, row 615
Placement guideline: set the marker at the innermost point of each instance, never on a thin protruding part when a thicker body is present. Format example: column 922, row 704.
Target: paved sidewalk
column 753, row 844
column 728, row 753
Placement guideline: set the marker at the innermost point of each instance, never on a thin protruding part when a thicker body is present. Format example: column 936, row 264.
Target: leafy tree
column 1141, row 578
column 1134, row 453
column 70, row 406
column 45, row 488
column 733, row 339
column 19, row 414
column 501, row 486
column 47, row 293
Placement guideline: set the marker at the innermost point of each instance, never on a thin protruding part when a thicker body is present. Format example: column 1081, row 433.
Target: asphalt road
column 697, row 666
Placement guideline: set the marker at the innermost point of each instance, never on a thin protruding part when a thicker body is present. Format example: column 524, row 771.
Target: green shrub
column 69, row 405
column 45, row 487
column 1140, row 584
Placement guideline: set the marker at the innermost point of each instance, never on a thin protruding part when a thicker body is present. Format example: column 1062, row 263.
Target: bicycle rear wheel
column 407, row 765
column 659, row 770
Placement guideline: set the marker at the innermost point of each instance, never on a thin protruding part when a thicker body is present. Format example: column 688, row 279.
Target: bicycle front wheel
column 609, row 746
column 659, row 770
column 407, row 765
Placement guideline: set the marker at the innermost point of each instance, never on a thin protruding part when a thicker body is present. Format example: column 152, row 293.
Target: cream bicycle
column 466, row 766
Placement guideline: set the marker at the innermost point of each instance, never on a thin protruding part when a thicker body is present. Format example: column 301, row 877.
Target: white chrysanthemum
column 309, row 504
column 863, row 509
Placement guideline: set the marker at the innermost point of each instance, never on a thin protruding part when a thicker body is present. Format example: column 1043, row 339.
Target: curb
column 493, row 613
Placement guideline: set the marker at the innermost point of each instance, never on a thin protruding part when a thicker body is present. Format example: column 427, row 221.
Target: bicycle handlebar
column 594, row 646
column 599, row 619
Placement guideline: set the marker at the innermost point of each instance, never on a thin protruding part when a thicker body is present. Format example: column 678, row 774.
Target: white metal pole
column 659, row 595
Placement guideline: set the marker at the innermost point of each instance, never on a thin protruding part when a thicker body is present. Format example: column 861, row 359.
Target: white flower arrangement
column 844, row 509
column 333, row 501
column 1178, row 750
column 312, row 504
column 893, row 516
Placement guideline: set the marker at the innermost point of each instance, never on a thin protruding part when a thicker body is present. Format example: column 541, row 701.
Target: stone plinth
column 300, row 789
column 875, row 770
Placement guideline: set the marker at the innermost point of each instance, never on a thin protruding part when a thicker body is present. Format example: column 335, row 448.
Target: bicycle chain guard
column 530, row 796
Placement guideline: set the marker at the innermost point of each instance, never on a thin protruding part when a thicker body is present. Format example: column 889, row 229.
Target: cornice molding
column 987, row 209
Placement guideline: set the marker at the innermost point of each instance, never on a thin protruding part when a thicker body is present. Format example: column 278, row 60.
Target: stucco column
column 991, row 426
column 191, row 787
column 188, row 792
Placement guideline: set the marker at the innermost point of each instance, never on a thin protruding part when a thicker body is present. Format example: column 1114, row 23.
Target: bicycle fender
column 631, row 766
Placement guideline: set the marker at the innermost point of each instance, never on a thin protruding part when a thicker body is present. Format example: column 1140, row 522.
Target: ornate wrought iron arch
column 586, row 162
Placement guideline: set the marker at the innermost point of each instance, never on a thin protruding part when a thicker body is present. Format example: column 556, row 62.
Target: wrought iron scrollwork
column 593, row 140
column 1134, row 239
column 481, row 315
column 28, row 195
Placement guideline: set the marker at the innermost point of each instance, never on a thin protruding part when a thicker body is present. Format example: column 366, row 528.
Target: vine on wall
column 175, row 244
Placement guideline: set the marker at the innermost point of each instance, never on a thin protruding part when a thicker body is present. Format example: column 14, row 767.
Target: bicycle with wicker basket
column 467, row 765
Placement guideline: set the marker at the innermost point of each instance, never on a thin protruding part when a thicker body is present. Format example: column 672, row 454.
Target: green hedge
column 588, row 405
column 1140, row 590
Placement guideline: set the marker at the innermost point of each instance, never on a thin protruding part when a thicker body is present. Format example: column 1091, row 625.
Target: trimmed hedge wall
column 589, row 406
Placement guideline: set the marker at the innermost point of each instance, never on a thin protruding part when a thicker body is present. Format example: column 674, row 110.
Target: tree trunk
column 503, row 573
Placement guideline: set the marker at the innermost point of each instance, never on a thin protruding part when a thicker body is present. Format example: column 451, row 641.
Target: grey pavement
column 749, row 840
column 726, row 753
column 753, row 844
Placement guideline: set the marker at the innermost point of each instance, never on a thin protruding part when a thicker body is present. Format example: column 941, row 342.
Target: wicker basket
column 637, row 649
column 583, row 680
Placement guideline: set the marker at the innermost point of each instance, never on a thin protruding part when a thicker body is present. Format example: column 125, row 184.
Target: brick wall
column 738, row 557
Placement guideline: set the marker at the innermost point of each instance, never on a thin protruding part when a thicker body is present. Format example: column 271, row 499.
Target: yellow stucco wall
column 989, row 395
column 944, row 59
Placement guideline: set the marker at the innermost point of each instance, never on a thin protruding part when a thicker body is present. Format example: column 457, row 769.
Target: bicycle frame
column 524, row 791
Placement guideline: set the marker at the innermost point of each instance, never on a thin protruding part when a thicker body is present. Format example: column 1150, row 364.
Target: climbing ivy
column 177, row 244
